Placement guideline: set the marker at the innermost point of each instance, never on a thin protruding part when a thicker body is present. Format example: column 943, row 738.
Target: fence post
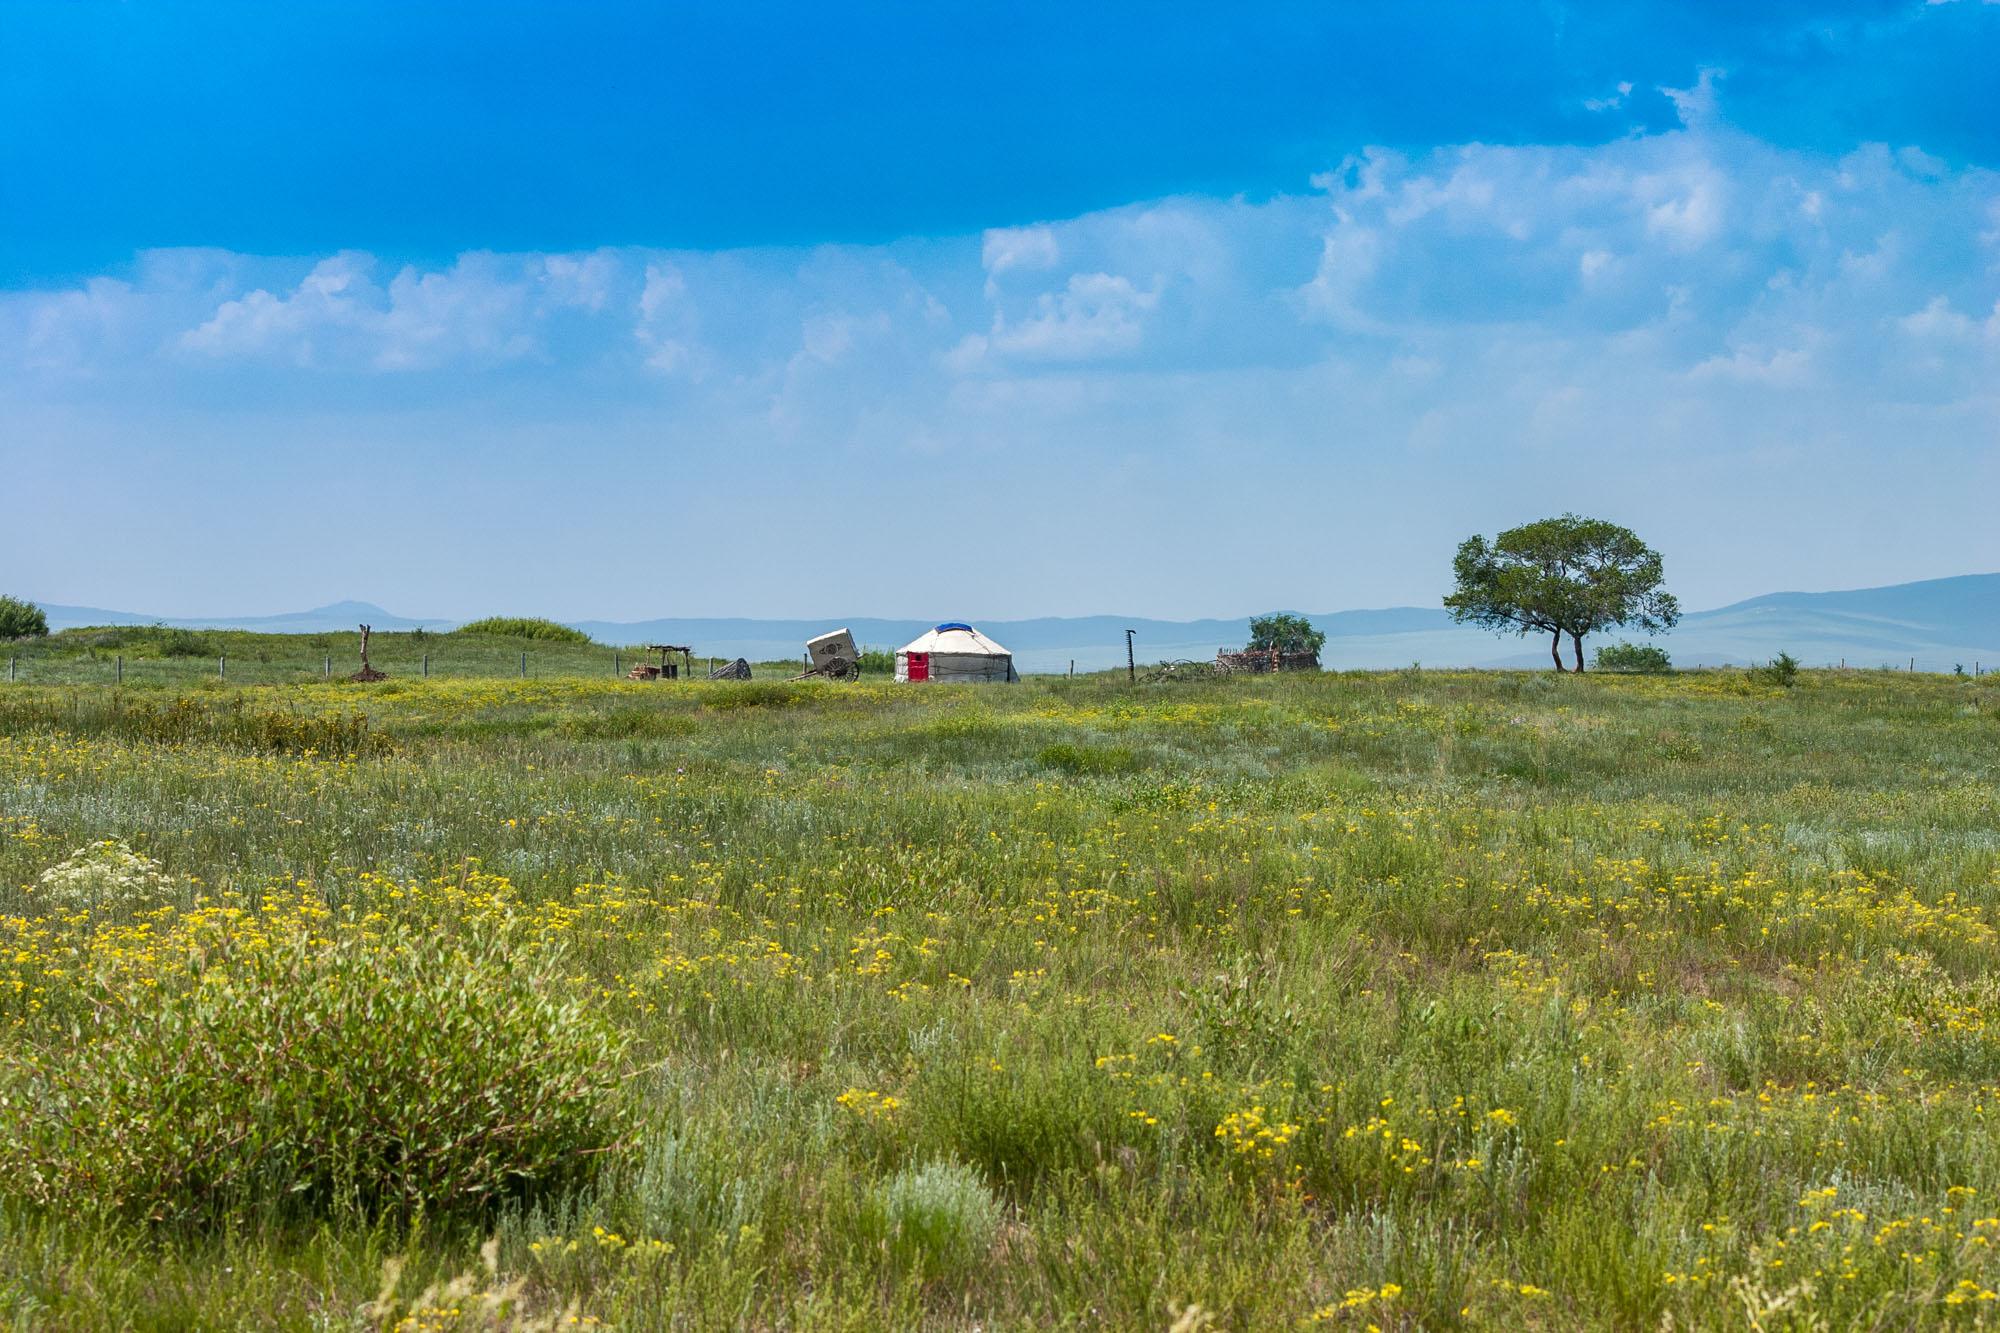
column 524, row 666
column 326, row 667
column 121, row 668
column 222, row 667
column 10, row 671
column 617, row 661
column 427, row 666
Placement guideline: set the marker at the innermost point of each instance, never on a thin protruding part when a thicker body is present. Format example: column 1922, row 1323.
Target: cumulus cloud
column 1695, row 106
column 1412, row 297
column 483, row 309
column 1004, row 248
column 1093, row 315
column 666, row 326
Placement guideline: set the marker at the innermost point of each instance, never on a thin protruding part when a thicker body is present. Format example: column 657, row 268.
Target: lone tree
column 1285, row 632
column 21, row 620
column 1560, row 576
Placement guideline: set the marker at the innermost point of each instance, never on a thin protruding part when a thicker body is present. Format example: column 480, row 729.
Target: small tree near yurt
column 1285, row 632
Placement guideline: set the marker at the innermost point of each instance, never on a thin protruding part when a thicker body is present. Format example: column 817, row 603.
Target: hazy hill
column 320, row 620
column 1939, row 622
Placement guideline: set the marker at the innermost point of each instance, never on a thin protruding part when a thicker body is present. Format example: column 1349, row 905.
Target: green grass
column 163, row 657
column 1414, row 999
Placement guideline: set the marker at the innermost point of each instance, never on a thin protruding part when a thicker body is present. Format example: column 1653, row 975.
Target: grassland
column 1409, row 1000
column 157, row 655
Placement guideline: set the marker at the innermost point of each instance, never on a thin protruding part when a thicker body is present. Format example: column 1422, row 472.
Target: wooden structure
column 832, row 656
column 667, row 668
column 1262, row 661
column 367, row 673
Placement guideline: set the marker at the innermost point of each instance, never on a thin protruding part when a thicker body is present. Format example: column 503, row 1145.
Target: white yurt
column 954, row 651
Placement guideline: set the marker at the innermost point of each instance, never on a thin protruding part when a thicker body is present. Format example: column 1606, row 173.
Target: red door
column 919, row 665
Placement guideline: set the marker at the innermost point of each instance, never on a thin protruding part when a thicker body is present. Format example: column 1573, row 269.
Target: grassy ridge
column 164, row 656
column 1409, row 999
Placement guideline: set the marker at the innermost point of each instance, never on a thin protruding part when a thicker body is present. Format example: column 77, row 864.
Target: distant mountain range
column 1939, row 622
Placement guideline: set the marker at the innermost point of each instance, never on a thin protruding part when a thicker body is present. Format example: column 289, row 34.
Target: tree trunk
column 1556, row 649
column 1577, row 641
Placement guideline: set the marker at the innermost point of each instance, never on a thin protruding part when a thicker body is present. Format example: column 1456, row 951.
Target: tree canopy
column 21, row 620
column 1567, row 575
column 1285, row 632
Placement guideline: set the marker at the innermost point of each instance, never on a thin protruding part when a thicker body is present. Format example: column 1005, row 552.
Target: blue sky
column 988, row 311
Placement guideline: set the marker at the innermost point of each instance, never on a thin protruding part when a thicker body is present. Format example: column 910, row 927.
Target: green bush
column 184, row 643
column 1782, row 670
column 1645, row 659
column 21, row 620
column 936, row 1218
column 524, row 627
column 1285, row 632
column 375, row 1075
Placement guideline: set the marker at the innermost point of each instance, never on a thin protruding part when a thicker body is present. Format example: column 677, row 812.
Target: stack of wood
column 1263, row 661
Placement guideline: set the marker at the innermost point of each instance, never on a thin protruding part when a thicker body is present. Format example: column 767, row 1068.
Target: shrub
column 937, row 1218
column 105, row 876
column 1085, row 759
column 372, row 1074
column 1645, row 659
column 184, row 643
column 21, row 620
column 1782, row 670
column 524, row 627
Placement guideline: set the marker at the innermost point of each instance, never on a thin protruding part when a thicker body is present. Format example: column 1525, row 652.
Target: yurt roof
column 955, row 636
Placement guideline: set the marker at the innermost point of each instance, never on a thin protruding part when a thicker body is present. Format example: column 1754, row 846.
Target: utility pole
column 1131, row 665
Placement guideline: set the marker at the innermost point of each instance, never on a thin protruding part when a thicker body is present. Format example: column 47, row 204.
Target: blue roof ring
column 954, row 624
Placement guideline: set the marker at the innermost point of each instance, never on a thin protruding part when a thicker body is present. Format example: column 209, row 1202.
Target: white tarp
column 955, row 652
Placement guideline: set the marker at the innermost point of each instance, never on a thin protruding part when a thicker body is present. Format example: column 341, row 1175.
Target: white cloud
column 1690, row 216
column 1777, row 368
column 73, row 331
column 1478, row 296
column 1094, row 315
column 483, row 309
column 1696, row 106
column 1938, row 321
column 666, row 325
column 1004, row 248
column 1612, row 102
